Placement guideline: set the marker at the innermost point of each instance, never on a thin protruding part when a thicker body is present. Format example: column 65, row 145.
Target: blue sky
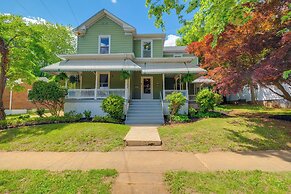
column 133, row 12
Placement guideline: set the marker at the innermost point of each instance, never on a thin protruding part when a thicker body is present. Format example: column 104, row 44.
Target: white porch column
column 163, row 86
column 96, row 84
column 187, row 91
column 66, row 83
column 81, row 79
column 126, row 89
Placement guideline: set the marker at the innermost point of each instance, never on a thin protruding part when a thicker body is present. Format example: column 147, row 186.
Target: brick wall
column 19, row 99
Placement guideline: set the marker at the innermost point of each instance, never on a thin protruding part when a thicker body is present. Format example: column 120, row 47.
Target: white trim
column 99, row 41
column 141, row 47
column 152, row 87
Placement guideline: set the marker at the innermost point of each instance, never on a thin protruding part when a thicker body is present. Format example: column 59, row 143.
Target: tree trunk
column 286, row 95
column 4, row 51
column 253, row 94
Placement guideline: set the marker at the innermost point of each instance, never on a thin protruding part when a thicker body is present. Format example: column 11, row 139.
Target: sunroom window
column 104, row 44
column 147, row 49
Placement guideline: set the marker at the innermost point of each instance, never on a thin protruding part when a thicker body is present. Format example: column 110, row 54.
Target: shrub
column 105, row 119
column 48, row 94
column 180, row 118
column 87, row 114
column 72, row 116
column 192, row 111
column 3, row 124
column 40, row 112
column 23, row 117
column 207, row 100
column 177, row 100
column 113, row 105
column 206, row 115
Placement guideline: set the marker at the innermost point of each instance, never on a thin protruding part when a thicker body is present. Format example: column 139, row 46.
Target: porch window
column 104, row 44
column 146, row 46
column 104, row 80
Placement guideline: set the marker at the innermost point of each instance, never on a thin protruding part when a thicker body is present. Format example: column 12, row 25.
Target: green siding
column 158, row 48
column 88, row 80
column 136, row 85
column 136, row 48
column 115, row 81
column 120, row 43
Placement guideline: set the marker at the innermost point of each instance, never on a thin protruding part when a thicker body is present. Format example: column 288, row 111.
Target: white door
column 146, row 87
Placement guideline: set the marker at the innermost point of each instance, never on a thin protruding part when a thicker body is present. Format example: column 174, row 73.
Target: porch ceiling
column 92, row 65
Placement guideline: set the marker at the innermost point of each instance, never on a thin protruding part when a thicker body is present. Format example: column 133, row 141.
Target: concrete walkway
column 143, row 135
column 142, row 171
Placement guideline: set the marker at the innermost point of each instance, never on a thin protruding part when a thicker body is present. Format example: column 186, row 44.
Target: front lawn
column 252, row 109
column 227, row 134
column 228, row 182
column 68, row 137
column 41, row 181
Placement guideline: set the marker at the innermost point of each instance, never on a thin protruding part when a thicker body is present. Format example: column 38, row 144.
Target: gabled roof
column 91, row 21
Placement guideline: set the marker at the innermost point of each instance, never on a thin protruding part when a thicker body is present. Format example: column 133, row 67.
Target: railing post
column 125, row 88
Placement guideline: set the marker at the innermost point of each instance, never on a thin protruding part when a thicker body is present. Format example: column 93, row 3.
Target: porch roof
column 170, row 68
column 92, row 65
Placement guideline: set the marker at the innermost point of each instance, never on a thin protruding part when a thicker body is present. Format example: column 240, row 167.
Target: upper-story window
column 104, row 44
column 146, row 48
column 178, row 55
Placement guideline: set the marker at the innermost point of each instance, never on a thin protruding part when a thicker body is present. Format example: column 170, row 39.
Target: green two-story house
column 112, row 58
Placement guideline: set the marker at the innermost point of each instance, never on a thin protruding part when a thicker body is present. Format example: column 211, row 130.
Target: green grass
column 228, row 182
column 64, row 137
column 252, row 109
column 41, row 181
column 227, row 134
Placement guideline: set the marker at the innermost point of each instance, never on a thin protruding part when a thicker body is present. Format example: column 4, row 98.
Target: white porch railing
column 94, row 93
column 167, row 92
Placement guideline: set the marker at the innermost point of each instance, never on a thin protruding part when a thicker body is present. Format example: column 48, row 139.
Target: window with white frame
column 146, row 48
column 104, row 44
column 104, row 80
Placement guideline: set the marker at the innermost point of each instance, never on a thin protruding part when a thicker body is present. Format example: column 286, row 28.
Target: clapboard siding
column 120, row 43
column 157, row 48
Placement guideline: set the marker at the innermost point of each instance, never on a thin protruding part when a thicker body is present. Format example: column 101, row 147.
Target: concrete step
column 132, row 122
column 145, row 114
column 143, row 148
column 143, row 136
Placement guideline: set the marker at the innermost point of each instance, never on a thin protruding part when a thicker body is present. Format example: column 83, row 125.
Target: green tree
column 209, row 16
column 48, row 94
column 25, row 47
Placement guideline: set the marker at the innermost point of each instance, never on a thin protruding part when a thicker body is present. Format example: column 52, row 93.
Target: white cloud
column 34, row 20
column 114, row 1
column 171, row 40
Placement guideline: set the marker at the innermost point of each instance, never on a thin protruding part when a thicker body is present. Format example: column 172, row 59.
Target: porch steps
column 145, row 112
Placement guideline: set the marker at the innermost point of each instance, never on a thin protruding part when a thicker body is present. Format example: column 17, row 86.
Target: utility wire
column 76, row 19
column 26, row 10
column 51, row 15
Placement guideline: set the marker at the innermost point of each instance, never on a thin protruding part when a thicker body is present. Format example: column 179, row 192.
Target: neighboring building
column 17, row 102
column 263, row 95
column 106, row 47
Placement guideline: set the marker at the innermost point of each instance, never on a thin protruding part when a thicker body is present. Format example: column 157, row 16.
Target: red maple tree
column 256, row 52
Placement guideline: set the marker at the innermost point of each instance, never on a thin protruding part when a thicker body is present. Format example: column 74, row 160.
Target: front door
column 146, row 87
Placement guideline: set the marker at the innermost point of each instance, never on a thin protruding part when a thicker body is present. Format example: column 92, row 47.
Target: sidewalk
column 142, row 171
column 148, row 161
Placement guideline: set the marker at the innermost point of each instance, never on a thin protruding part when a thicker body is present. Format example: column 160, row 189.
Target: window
column 178, row 55
column 146, row 47
column 104, row 44
column 104, row 80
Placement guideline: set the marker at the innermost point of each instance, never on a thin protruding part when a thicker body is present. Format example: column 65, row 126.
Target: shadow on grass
column 9, row 135
column 264, row 134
